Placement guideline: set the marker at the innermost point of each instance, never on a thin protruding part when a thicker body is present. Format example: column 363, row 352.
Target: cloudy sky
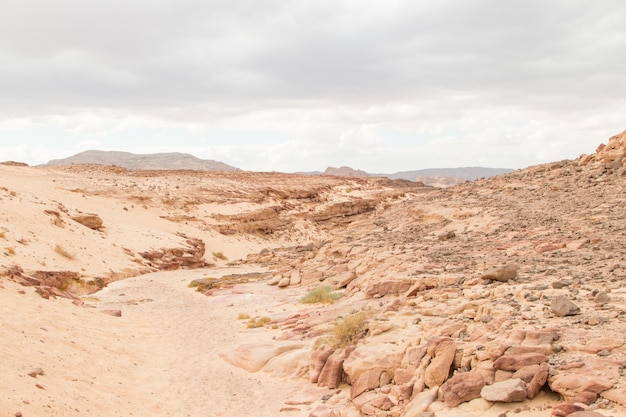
column 293, row 85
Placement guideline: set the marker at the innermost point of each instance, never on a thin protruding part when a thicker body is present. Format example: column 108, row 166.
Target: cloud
column 378, row 84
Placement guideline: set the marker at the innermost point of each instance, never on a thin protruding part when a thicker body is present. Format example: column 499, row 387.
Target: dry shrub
column 63, row 252
column 348, row 330
column 254, row 323
column 323, row 294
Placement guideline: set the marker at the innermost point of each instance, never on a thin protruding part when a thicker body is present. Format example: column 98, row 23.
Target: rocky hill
column 142, row 162
column 332, row 296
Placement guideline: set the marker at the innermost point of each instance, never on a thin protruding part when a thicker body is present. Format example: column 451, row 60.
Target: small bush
column 3, row 235
column 9, row 250
column 348, row 330
column 243, row 316
column 63, row 252
column 220, row 255
column 254, row 323
column 323, row 294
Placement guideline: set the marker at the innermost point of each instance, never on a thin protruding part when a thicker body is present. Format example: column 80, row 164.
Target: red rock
column 516, row 362
column 617, row 395
column 318, row 360
column 511, row 390
column 462, row 387
column 565, row 410
column 442, row 352
column 538, row 381
column 332, row 373
column 578, row 387
column 501, row 274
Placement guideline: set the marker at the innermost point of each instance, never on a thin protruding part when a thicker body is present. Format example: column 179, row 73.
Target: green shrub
column 323, row 294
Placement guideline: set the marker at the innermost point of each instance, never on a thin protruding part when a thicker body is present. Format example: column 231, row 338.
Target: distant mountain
column 345, row 172
column 467, row 173
column 144, row 162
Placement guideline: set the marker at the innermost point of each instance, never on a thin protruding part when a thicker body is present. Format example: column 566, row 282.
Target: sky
column 300, row 85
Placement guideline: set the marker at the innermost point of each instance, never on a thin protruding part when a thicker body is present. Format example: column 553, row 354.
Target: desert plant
column 260, row 322
column 220, row 255
column 63, row 252
column 322, row 294
column 349, row 329
column 243, row 316
column 3, row 235
column 9, row 250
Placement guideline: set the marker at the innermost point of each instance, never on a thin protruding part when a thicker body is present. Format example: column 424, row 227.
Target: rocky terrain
column 364, row 296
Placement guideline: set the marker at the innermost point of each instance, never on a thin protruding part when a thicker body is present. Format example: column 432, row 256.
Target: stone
column 284, row 282
column 92, row 221
column 114, row 313
column 578, row 388
column 442, row 352
column 538, row 381
column 512, row 390
column 565, row 410
column 617, row 395
column 462, row 387
column 332, row 373
column 318, row 360
column 586, row 413
column 561, row 306
column 517, row 362
column 501, row 274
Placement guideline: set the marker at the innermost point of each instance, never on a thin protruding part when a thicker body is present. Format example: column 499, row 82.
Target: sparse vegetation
column 243, row 316
column 348, row 330
column 220, row 255
column 63, row 252
column 323, row 294
column 259, row 322
column 9, row 250
column 3, row 235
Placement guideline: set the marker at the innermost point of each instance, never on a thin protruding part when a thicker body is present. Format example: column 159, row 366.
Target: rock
column 332, row 373
column 565, row 410
column 538, row 381
column 586, row 413
column 295, row 278
column 462, row 387
column 578, row 387
column 511, row 390
column 420, row 402
column 318, row 360
column 367, row 381
column 284, row 282
column 92, row 221
column 442, row 352
column 114, row 313
column 517, row 362
column 617, row 395
column 501, row 274
column 561, row 306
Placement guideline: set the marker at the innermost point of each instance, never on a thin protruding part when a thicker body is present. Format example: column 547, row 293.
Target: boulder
column 501, row 273
column 578, row 388
column 538, row 380
column 462, row 387
column 318, row 360
column 561, row 306
column 511, row 390
column 442, row 351
column 92, row 221
column 517, row 362
column 332, row 373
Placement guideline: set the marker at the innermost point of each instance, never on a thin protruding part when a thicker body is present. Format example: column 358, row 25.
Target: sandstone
column 561, row 306
column 114, row 313
column 617, row 395
column 92, row 221
column 502, row 274
column 284, row 282
column 512, row 390
column 578, row 388
column 442, row 352
column 332, row 373
column 538, row 381
column 517, row 362
column 318, row 360
column 462, row 387
column 565, row 410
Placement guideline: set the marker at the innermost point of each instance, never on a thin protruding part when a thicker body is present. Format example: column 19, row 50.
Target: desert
column 193, row 293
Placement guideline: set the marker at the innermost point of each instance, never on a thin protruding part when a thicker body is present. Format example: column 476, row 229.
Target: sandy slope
column 159, row 359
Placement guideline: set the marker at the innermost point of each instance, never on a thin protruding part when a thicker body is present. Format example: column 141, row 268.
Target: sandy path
column 159, row 359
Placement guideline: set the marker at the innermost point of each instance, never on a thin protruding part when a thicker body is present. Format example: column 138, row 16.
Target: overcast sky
column 293, row 85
